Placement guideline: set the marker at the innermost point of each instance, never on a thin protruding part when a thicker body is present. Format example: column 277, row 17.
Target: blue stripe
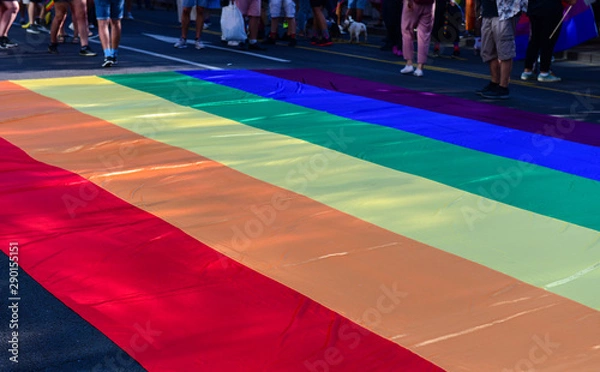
column 551, row 152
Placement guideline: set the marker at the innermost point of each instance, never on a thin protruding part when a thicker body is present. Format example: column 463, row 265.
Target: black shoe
column 292, row 42
column 491, row 86
column 114, row 60
column 325, row 42
column 456, row 52
column 314, row 40
column 270, row 41
column 108, row 62
column 6, row 43
column 86, row 51
column 386, row 48
column 255, row 46
column 496, row 93
column 53, row 48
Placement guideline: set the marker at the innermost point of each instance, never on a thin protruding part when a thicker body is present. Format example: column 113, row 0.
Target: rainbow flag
column 578, row 27
column 298, row 220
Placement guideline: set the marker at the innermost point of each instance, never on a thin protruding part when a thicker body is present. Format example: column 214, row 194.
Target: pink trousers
column 421, row 18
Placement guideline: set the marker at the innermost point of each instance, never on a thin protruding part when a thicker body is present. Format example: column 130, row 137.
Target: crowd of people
column 429, row 20
column 106, row 13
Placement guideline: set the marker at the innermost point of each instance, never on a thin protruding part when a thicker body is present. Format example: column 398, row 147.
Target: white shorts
column 282, row 8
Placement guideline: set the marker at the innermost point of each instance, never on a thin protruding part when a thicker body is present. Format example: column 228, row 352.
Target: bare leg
column 115, row 33
column 81, row 23
column 103, row 33
column 505, row 69
column 495, row 70
column 185, row 22
column 199, row 21
column 60, row 10
column 10, row 9
column 254, row 22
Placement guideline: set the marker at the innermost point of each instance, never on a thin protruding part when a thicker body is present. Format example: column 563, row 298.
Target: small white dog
column 354, row 29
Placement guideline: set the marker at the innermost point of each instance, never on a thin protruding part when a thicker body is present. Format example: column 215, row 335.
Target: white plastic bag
column 232, row 24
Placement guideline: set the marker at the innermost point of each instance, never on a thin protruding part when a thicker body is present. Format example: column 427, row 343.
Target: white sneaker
column 408, row 69
column 199, row 44
column 418, row 72
column 181, row 43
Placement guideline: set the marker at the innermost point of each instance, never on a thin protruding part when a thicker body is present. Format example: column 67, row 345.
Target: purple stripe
column 571, row 130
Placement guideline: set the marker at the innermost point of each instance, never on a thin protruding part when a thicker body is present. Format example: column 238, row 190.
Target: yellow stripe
column 412, row 206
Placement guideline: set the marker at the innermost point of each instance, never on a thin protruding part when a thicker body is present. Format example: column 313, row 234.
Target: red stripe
column 171, row 302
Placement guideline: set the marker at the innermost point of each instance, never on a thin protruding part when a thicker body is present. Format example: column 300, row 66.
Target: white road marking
column 173, row 40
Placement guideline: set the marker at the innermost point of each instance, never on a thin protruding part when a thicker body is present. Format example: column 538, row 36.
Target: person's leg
column 409, row 19
column 505, row 70
column 253, row 24
column 489, row 55
column 275, row 13
column 291, row 31
column 4, row 17
column 199, row 26
column 290, row 16
column 104, row 35
column 60, row 14
column 547, row 44
column 115, row 35
column 31, row 12
column 102, row 8
column 351, row 10
column 424, row 27
column 254, row 14
column 185, row 21
column 199, row 21
column 128, row 4
column 9, row 14
column 495, row 70
column 360, row 9
column 533, row 47
column 437, row 32
column 117, row 8
column 506, row 48
column 80, row 21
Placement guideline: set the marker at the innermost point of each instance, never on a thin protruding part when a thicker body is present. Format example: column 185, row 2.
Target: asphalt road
column 53, row 338
column 147, row 46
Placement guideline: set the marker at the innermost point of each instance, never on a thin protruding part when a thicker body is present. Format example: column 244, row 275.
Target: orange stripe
column 451, row 311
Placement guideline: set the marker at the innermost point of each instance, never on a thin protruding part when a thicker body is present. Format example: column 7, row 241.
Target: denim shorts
column 193, row 3
column 357, row 4
column 109, row 9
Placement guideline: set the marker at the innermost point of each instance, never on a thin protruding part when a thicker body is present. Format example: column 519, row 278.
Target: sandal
column 75, row 40
column 61, row 39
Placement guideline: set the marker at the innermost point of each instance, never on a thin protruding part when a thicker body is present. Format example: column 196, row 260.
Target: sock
column 115, row 52
column 107, row 53
column 252, row 41
column 544, row 73
column 273, row 35
column 455, row 45
column 293, row 36
column 436, row 46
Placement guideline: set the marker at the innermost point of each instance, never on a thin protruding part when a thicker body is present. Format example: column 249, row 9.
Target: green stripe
column 531, row 247
column 518, row 183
